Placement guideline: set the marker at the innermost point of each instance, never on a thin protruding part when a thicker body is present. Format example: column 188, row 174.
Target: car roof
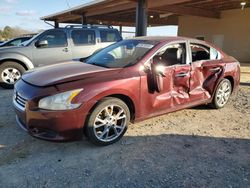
column 79, row 28
column 170, row 39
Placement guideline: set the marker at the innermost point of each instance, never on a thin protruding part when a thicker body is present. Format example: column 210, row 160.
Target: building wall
column 231, row 32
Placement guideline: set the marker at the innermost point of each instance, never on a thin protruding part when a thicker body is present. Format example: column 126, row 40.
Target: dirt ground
column 198, row 147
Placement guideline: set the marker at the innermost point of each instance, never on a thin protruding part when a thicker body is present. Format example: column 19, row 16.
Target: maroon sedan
column 126, row 82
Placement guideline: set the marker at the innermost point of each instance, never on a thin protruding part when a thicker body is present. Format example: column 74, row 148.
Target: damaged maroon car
column 126, row 82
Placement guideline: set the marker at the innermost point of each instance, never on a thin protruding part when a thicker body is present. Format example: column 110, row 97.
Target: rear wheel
column 10, row 72
column 222, row 94
column 108, row 122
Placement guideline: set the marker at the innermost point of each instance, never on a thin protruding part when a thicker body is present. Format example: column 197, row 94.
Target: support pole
column 141, row 18
column 83, row 20
column 120, row 29
column 56, row 24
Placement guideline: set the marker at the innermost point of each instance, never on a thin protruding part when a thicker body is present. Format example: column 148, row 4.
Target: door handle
column 65, row 50
column 215, row 69
column 183, row 74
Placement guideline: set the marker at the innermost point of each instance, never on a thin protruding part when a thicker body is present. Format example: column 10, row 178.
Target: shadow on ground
column 165, row 159
column 140, row 161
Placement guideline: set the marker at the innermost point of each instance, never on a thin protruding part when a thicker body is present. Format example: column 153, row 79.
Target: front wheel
column 222, row 94
column 108, row 122
column 10, row 72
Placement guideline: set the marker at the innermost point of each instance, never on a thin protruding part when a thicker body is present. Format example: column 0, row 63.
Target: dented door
column 174, row 93
column 153, row 102
column 174, row 81
column 206, row 71
column 181, row 84
column 204, row 77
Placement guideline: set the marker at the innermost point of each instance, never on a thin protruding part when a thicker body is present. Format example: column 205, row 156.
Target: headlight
column 61, row 101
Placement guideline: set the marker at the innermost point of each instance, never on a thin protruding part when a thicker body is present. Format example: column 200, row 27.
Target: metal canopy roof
column 160, row 12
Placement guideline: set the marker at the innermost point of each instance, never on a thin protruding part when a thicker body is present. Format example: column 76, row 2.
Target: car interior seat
column 170, row 56
column 201, row 55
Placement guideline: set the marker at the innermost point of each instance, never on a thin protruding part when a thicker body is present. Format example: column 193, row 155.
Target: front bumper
column 49, row 125
column 46, row 124
column 54, row 126
column 21, row 124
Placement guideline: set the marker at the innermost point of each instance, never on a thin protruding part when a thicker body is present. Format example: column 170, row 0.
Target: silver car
column 53, row 46
column 15, row 41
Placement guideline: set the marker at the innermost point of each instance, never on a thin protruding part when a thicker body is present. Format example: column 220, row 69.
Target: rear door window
column 214, row 54
column 199, row 52
column 83, row 37
column 109, row 36
column 202, row 52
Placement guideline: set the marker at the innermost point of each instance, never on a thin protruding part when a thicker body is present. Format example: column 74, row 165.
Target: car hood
column 10, row 48
column 61, row 73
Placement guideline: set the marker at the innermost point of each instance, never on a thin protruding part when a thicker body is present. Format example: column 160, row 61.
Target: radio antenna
column 67, row 2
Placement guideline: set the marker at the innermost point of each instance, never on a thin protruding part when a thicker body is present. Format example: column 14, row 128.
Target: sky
column 27, row 13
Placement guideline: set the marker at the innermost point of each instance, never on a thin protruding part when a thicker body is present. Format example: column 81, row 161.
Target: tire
column 105, row 126
column 12, row 69
column 222, row 94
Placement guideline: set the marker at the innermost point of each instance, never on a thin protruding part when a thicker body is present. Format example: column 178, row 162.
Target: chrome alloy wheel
column 10, row 75
column 109, row 123
column 223, row 94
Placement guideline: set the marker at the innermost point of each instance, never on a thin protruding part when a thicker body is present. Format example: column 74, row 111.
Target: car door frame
column 66, row 49
column 205, row 75
column 150, row 106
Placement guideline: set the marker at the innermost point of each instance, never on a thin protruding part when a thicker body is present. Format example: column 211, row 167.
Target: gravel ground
column 198, row 147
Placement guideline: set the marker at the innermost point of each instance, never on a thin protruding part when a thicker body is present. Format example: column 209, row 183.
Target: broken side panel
column 180, row 91
column 204, row 77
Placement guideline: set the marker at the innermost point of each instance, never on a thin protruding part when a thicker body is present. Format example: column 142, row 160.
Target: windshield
column 121, row 54
column 27, row 42
column 6, row 42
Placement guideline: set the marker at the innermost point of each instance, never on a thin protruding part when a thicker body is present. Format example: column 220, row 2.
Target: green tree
column 7, row 32
column 12, row 32
column 1, row 38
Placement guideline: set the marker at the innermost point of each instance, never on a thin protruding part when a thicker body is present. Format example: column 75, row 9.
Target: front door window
column 174, row 54
column 55, row 38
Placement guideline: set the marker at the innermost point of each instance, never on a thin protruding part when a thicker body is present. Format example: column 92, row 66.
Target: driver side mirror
column 156, row 74
column 160, row 70
column 42, row 43
column 157, row 66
